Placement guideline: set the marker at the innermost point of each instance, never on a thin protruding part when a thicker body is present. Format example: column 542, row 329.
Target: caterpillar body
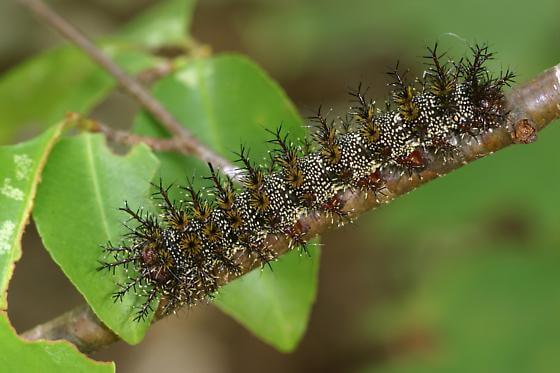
column 178, row 253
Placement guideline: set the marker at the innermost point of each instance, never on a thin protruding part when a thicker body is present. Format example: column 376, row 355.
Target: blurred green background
column 458, row 276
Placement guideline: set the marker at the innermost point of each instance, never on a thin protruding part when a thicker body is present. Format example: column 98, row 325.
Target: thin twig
column 533, row 106
column 129, row 139
column 130, row 85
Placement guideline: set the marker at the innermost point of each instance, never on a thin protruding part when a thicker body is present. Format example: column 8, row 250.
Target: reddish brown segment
column 373, row 180
column 156, row 271
column 296, row 230
column 148, row 256
column 414, row 159
column 296, row 233
column 335, row 205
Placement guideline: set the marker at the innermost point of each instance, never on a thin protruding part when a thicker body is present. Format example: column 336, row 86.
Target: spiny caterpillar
column 178, row 254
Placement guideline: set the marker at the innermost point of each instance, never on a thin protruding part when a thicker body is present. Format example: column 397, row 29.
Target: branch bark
column 188, row 142
column 533, row 105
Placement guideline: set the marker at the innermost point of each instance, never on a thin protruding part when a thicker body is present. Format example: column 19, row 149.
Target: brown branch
column 79, row 326
column 188, row 141
column 533, row 105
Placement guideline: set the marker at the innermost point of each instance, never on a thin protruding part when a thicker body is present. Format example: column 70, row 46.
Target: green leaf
column 224, row 101
column 20, row 172
column 44, row 356
column 227, row 101
column 76, row 211
column 43, row 89
column 164, row 24
column 275, row 304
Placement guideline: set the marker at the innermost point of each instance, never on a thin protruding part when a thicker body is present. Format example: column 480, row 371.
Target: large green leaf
column 275, row 304
column 43, row 356
column 77, row 211
column 20, row 172
column 227, row 101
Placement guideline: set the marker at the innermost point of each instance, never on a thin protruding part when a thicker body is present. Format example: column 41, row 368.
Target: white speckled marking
column 10, row 191
column 6, row 231
column 23, row 166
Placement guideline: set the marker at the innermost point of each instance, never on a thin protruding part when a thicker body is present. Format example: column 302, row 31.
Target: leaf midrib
column 95, row 184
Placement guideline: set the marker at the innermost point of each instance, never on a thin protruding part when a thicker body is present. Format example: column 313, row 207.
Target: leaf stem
column 127, row 138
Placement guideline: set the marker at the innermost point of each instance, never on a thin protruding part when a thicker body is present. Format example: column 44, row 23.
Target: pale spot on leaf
column 10, row 191
column 6, row 231
column 23, row 166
